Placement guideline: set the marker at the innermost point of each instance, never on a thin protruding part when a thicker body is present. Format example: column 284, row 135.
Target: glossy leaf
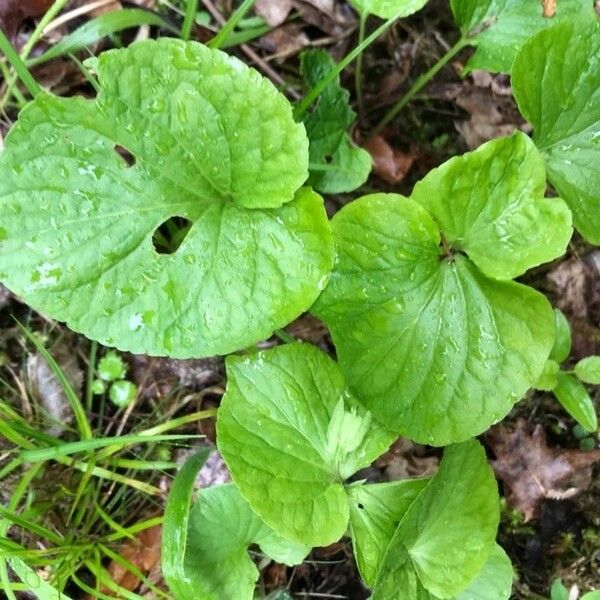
column 575, row 399
column 556, row 82
column 375, row 512
column 175, row 526
column 588, row 370
column 490, row 205
column 336, row 164
column 446, row 536
column 222, row 526
column 211, row 141
column 291, row 433
column 562, row 341
column 431, row 345
column 499, row 27
column 494, row 581
column 387, row 9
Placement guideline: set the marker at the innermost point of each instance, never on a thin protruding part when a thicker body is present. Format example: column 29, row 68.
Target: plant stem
column 314, row 93
column 188, row 21
column 19, row 66
column 231, row 23
column 284, row 336
column 419, row 84
column 359, row 60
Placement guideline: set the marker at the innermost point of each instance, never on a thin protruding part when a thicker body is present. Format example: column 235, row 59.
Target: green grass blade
column 231, row 24
column 83, row 425
column 92, row 31
column 175, row 526
column 188, row 21
column 35, row 584
column 42, row 454
column 19, row 66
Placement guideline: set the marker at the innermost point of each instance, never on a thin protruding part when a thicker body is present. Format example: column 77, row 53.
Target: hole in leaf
column 125, row 155
column 328, row 159
column 361, row 506
column 169, row 235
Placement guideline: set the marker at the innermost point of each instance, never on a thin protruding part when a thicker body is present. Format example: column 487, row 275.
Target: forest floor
column 550, row 523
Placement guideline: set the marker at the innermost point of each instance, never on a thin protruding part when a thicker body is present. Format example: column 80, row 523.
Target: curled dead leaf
column 532, row 471
column 14, row 12
column 389, row 164
column 274, row 12
column 285, row 41
column 143, row 553
column 549, row 7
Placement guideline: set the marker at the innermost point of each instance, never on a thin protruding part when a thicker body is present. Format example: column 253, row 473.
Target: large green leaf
column 387, row 9
column 432, row 346
column 291, row 433
column 494, row 581
column 556, row 82
column 222, row 526
column 336, row 164
column 499, row 27
column 212, row 141
column 447, row 534
column 375, row 512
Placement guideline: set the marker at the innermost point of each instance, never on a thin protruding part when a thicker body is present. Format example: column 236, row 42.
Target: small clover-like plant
column 177, row 131
column 431, row 333
column 567, row 386
column 556, row 82
column 292, row 434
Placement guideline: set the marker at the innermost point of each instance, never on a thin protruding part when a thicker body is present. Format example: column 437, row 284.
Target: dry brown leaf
column 14, row 12
column 532, row 471
column 405, row 459
column 48, row 391
column 330, row 16
column 274, row 12
column 143, row 552
column 486, row 122
column 284, row 41
column 389, row 164
column 549, row 7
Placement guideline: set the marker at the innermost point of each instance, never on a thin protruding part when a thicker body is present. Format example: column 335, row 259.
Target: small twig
column 73, row 14
column 253, row 56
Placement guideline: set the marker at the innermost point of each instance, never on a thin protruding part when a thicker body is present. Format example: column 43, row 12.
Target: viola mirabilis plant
column 434, row 337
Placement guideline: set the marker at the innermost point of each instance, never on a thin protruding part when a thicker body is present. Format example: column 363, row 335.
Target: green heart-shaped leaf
column 212, row 141
column 222, row 526
column 388, row 9
column 336, row 164
column 375, row 512
column 556, row 82
column 291, row 433
column 448, row 532
column 499, row 27
column 429, row 343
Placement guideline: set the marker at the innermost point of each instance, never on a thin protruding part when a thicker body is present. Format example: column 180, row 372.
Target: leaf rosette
column 432, row 335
